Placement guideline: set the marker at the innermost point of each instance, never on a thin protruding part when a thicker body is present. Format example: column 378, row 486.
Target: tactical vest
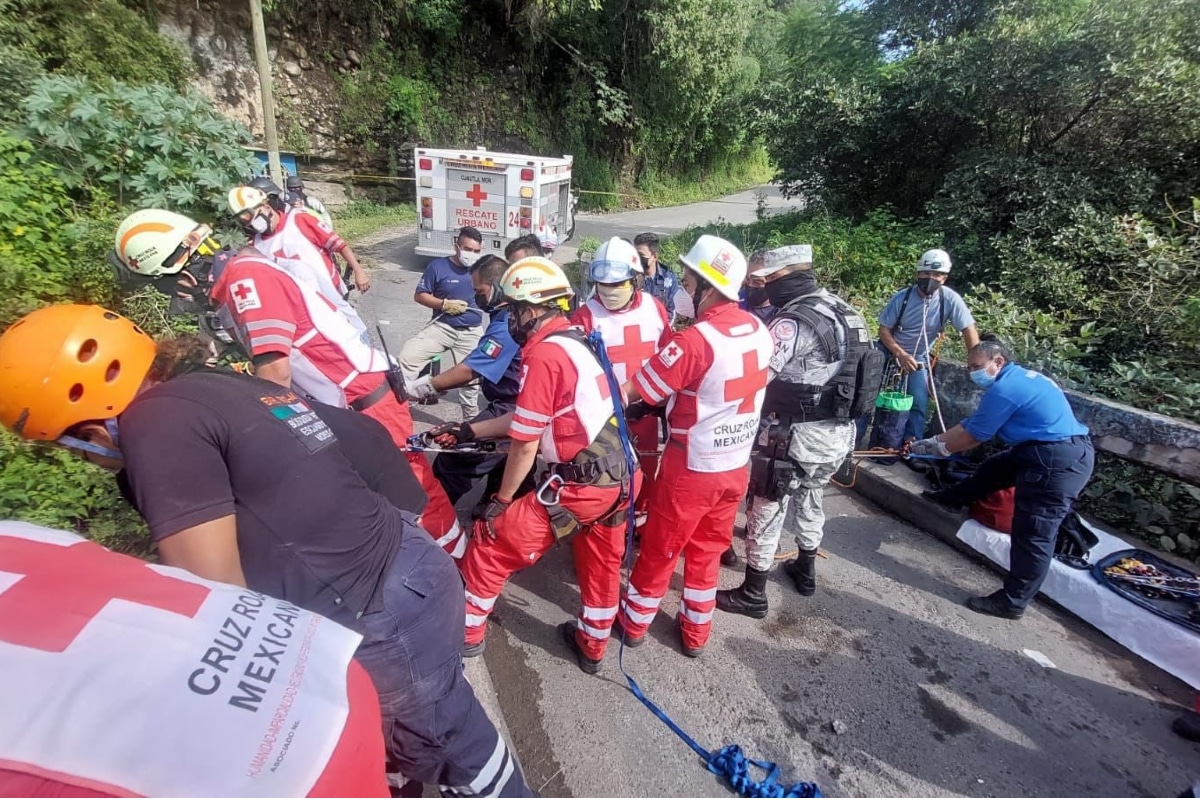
column 852, row 390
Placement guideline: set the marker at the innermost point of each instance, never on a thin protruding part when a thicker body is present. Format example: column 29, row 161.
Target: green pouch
column 894, row 401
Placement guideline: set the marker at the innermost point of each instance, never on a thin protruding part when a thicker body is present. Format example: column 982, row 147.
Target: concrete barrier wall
column 1162, row 443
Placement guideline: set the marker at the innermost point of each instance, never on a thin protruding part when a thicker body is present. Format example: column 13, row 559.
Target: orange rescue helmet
column 66, row 364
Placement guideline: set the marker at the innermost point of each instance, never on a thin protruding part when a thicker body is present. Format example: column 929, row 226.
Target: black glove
column 493, row 509
column 449, row 434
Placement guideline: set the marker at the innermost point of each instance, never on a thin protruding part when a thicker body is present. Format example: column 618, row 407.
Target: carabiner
column 555, row 483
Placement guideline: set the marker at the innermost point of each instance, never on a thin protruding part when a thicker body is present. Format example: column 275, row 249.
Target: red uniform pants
column 645, row 436
column 691, row 515
column 439, row 519
column 524, row 533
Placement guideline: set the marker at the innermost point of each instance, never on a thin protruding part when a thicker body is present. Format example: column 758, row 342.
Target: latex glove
column 421, row 388
column 455, row 307
column 449, row 434
column 928, row 447
column 491, row 511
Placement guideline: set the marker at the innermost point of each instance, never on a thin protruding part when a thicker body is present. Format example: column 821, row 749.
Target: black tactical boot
column 803, row 572
column 749, row 599
column 729, row 558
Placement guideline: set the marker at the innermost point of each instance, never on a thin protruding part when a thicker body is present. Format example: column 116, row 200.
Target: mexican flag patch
column 490, row 347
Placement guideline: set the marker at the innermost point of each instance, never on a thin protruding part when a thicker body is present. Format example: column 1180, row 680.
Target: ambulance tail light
column 426, row 182
column 427, row 224
column 526, row 217
column 425, row 164
column 526, row 192
column 427, row 207
column 526, row 174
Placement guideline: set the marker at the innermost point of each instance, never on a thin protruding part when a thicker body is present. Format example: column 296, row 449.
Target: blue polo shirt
column 448, row 281
column 497, row 360
column 924, row 318
column 1023, row 405
column 663, row 286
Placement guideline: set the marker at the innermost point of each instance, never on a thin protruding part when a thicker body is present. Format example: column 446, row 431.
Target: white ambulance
column 503, row 195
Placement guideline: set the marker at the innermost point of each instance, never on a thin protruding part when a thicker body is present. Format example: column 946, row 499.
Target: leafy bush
column 44, row 257
column 50, row 486
column 100, row 39
column 143, row 146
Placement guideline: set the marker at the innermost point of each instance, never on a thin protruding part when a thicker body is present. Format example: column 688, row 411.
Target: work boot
column 631, row 641
column 1187, row 725
column 749, row 599
column 729, row 558
column 803, row 571
column 568, row 629
column 690, row 652
column 995, row 605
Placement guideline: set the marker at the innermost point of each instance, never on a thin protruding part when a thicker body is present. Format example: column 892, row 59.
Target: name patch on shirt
column 303, row 422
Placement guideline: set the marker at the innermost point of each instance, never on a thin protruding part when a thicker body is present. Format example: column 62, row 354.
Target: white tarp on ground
column 1160, row 641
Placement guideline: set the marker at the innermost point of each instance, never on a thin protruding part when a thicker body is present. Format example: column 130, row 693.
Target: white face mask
column 468, row 258
column 259, row 223
column 683, row 304
column 615, row 298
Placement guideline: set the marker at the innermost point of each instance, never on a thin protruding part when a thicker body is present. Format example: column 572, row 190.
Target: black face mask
column 756, row 295
column 928, row 286
column 645, row 263
column 786, row 289
column 484, row 301
column 520, row 330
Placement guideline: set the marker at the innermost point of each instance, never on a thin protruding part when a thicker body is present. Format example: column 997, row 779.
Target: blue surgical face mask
column 982, row 378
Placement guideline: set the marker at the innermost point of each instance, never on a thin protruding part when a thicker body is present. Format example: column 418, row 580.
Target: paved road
column 931, row 699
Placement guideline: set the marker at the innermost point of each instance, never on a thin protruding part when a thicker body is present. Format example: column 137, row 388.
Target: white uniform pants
column 435, row 339
column 800, row 509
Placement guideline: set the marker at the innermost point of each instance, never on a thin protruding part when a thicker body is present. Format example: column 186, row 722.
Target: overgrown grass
column 656, row 189
column 363, row 218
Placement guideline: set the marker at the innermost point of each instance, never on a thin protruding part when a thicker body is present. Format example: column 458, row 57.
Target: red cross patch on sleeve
column 245, row 295
column 670, row 354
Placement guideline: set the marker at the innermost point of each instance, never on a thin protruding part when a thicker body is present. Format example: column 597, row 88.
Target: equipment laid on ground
column 1154, row 584
column 502, row 195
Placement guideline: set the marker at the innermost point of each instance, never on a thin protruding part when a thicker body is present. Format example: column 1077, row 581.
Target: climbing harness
column 729, row 763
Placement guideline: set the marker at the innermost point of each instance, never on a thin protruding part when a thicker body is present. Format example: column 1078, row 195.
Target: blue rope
column 729, row 763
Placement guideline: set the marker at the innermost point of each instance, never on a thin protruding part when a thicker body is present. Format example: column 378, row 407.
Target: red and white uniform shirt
column 713, row 377
column 564, row 399
column 125, row 678
column 304, row 247
column 631, row 335
column 273, row 312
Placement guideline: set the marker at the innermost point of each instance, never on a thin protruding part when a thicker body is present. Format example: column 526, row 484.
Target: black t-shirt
column 310, row 529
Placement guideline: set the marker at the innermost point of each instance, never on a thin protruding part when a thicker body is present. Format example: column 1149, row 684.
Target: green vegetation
column 654, row 99
column 360, row 219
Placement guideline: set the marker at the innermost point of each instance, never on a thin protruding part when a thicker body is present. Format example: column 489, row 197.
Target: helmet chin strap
column 110, row 425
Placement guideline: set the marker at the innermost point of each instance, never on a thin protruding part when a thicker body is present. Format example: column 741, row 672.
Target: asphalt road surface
column 882, row 684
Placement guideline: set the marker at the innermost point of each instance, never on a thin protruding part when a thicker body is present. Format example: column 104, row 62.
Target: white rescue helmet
column 615, row 261
column 934, row 261
column 537, row 281
column 155, row 242
column 719, row 263
column 246, row 198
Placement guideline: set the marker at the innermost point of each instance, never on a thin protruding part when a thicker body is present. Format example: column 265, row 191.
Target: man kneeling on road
column 1049, row 464
column 565, row 409
column 814, row 395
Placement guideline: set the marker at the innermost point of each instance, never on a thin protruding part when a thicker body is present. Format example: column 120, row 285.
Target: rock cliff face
column 218, row 35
